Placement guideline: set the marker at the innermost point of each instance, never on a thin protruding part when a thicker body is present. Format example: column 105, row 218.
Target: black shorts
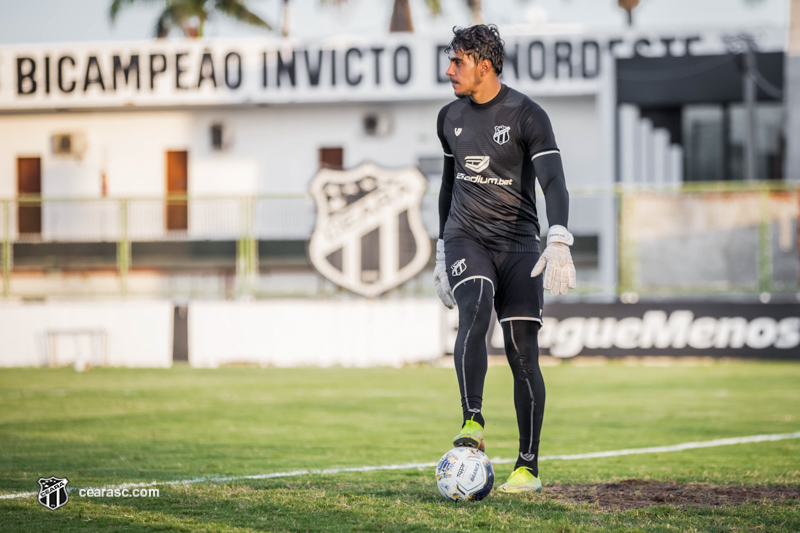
column 517, row 296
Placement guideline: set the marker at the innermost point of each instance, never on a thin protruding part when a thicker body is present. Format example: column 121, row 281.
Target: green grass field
column 113, row 426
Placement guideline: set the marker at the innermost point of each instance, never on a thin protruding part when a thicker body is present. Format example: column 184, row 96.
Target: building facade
column 156, row 161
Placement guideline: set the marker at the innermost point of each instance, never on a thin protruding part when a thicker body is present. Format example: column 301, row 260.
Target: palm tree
column 476, row 10
column 401, row 12
column 628, row 6
column 401, row 15
column 190, row 16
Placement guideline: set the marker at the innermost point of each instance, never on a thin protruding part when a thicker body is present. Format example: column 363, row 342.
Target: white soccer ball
column 464, row 474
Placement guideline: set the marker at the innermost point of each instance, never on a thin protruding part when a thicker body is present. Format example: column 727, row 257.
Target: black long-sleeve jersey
column 493, row 152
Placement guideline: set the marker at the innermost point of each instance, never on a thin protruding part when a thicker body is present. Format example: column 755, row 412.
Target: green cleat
column 471, row 436
column 521, row 480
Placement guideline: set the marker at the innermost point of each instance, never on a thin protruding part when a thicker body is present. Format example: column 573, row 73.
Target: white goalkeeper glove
column 556, row 261
column 440, row 277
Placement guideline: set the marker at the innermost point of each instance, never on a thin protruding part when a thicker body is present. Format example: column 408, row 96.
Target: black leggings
column 522, row 350
column 475, row 299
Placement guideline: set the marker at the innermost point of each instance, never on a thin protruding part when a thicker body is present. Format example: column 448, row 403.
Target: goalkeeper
column 496, row 141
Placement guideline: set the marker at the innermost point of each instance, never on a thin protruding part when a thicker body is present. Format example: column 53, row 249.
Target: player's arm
column 446, row 192
column 550, row 173
column 445, row 199
column 556, row 259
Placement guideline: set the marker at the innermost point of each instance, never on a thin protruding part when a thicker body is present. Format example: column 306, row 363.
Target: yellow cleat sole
column 518, row 490
column 468, row 442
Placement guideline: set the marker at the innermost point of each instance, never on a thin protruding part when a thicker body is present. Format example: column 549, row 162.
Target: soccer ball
column 464, row 474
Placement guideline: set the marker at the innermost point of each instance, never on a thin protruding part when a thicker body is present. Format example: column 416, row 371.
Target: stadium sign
column 673, row 329
column 369, row 236
column 394, row 67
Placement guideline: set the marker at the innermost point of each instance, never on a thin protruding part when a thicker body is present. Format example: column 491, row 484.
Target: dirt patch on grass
column 635, row 493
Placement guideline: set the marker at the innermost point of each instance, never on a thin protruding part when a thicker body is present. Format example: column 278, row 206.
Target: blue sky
column 51, row 21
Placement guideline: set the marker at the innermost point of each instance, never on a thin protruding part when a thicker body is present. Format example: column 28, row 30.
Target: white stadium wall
column 129, row 334
column 128, row 146
column 276, row 121
column 284, row 333
column 272, row 150
column 288, row 333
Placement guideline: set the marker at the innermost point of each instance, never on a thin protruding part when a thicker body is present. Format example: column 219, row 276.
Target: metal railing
column 703, row 238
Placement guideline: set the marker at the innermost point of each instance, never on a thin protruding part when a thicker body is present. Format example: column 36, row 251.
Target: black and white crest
column 369, row 237
column 501, row 134
column 53, row 492
column 458, row 267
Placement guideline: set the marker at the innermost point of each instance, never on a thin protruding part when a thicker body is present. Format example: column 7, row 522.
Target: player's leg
column 471, row 275
column 474, row 299
column 519, row 303
column 522, row 350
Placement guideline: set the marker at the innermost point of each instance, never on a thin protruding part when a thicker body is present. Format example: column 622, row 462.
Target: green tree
column 190, row 16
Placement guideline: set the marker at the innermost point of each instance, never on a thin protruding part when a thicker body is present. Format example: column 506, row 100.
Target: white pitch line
column 409, row 466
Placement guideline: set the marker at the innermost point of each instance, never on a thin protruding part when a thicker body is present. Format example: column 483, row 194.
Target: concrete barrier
column 123, row 333
column 283, row 333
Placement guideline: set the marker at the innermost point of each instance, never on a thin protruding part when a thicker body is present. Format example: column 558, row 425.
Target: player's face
column 464, row 74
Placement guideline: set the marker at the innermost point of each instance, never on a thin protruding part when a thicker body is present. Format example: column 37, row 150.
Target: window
column 715, row 138
column 331, row 157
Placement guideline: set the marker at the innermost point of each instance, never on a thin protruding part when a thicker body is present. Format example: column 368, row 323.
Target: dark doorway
column 331, row 158
column 29, row 186
column 177, row 186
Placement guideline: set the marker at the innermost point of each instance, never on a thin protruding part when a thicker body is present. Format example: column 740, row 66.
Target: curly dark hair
column 480, row 42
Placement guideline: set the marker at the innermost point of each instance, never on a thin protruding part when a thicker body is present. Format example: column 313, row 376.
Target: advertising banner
column 716, row 329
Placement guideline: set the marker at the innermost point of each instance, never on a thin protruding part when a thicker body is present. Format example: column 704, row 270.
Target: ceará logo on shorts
column 458, row 267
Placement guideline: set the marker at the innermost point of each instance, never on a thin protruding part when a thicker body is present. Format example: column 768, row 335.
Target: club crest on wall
column 369, row 236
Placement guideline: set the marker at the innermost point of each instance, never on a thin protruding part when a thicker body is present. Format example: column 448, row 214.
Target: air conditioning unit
column 69, row 144
column 221, row 138
column 377, row 124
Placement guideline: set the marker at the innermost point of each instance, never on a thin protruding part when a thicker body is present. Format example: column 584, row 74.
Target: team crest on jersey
column 501, row 134
column 369, row 236
column 53, row 492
